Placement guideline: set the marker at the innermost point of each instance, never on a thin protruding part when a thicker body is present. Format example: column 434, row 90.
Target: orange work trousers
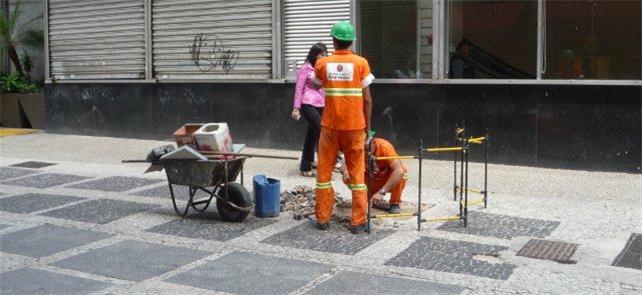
column 395, row 193
column 351, row 143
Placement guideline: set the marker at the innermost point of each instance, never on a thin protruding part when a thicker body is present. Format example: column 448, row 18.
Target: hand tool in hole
column 372, row 164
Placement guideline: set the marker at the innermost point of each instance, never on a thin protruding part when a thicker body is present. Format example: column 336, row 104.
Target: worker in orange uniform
column 390, row 176
column 345, row 78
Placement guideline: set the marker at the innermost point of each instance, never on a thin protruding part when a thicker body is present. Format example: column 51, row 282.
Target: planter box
column 22, row 110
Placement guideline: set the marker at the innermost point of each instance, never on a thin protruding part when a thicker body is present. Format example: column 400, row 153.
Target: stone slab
column 454, row 257
column 631, row 255
column 501, row 226
column 39, row 282
column 115, row 184
column 132, row 260
column 210, row 227
column 337, row 239
column 99, row 211
column 7, row 172
column 33, row 164
column 44, row 180
column 368, row 284
column 47, row 239
column 29, row 203
column 247, row 273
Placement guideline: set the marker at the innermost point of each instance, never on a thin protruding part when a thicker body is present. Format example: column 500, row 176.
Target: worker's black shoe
column 394, row 209
column 357, row 230
column 320, row 226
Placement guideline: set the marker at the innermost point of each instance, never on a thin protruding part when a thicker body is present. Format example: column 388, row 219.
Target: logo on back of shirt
column 340, row 71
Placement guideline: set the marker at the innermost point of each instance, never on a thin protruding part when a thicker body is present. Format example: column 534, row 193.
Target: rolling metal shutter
column 212, row 39
column 99, row 39
column 306, row 22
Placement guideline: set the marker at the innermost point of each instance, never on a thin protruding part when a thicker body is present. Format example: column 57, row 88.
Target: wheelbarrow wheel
column 238, row 196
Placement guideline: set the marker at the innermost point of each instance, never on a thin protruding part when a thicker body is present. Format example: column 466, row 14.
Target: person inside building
column 390, row 176
column 309, row 102
column 345, row 78
column 568, row 68
column 461, row 66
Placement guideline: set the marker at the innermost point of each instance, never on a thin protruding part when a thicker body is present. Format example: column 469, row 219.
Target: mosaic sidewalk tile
column 248, row 273
column 210, row 227
column 39, row 282
column 47, row 239
column 180, row 192
column 7, row 172
column 337, row 239
column 132, row 260
column 99, row 211
column 548, row 250
column 454, row 257
column 631, row 255
column 115, row 184
column 29, row 203
column 45, row 180
column 368, row 284
column 33, row 164
column 501, row 226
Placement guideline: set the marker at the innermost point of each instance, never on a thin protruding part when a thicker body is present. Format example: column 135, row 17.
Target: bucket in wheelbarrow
column 266, row 196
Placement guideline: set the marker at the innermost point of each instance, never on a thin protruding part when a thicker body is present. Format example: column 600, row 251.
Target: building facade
column 556, row 83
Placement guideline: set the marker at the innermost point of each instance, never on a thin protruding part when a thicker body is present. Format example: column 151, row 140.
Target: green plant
column 12, row 35
column 17, row 83
column 27, row 63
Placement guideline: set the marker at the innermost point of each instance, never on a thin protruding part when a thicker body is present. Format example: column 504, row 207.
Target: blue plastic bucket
column 267, row 196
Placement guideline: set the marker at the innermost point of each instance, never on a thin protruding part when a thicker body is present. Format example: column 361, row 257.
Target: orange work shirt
column 343, row 76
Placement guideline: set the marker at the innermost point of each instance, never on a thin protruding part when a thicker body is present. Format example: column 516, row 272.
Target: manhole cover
column 548, row 250
column 631, row 255
column 33, row 164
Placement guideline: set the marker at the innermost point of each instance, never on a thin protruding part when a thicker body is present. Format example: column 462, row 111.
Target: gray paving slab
column 210, row 227
column 44, row 180
column 631, row 255
column 47, row 239
column 132, row 260
column 99, row 211
column 29, row 203
column 454, row 257
column 501, row 226
column 368, row 284
column 7, row 172
column 335, row 240
column 247, row 273
column 39, row 282
column 180, row 192
column 33, row 164
column 115, row 184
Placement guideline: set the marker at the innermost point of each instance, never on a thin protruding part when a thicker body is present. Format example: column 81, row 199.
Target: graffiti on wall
column 209, row 53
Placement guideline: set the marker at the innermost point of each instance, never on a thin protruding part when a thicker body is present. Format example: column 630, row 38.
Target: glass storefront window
column 396, row 37
column 593, row 40
column 492, row 39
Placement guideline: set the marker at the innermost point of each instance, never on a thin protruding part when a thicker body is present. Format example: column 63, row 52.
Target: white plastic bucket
column 214, row 137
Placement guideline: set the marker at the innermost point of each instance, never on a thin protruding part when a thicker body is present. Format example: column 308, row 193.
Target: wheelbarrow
column 217, row 179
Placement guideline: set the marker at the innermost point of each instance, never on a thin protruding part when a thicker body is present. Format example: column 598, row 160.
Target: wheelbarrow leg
column 178, row 212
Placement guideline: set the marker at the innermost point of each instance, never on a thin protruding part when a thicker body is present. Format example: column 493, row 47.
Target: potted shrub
column 21, row 98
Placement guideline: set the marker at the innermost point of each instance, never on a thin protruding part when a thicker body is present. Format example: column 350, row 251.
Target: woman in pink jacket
column 309, row 102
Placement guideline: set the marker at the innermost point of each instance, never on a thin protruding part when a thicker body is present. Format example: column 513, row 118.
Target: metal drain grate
column 549, row 250
column 631, row 255
column 33, row 164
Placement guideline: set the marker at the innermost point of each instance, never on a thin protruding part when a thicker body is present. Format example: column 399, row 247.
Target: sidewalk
column 124, row 238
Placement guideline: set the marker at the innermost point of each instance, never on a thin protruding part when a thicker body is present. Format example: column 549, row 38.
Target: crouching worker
column 390, row 176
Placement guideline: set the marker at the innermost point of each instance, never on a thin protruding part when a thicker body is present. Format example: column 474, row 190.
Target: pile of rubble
column 300, row 201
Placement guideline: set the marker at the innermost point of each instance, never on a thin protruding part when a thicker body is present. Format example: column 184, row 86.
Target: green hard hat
column 343, row 31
